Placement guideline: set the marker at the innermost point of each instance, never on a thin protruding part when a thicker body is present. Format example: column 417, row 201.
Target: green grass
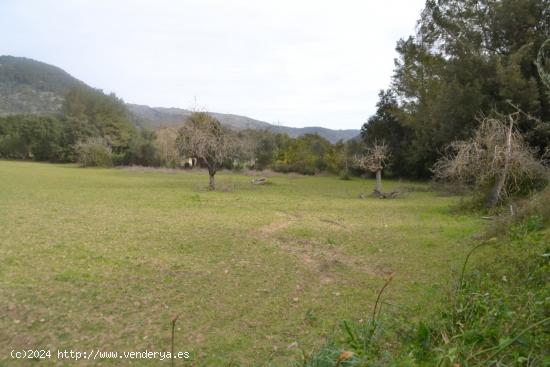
column 104, row 258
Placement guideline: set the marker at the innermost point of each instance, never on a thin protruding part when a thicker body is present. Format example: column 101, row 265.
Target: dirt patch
column 284, row 220
column 324, row 259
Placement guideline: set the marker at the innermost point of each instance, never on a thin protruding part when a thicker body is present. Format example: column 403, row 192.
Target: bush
column 119, row 159
column 299, row 167
column 94, row 152
column 496, row 162
column 12, row 146
column 345, row 175
column 522, row 212
column 142, row 150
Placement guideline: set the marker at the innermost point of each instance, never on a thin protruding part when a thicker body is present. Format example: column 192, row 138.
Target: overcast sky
column 293, row 62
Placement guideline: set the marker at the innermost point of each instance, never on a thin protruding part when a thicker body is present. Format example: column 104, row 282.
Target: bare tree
column 204, row 138
column 375, row 160
column 496, row 160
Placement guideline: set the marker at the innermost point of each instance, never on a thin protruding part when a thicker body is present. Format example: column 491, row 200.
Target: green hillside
column 29, row 86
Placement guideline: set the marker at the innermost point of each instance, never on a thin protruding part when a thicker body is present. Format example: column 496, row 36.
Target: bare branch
column 496, row 155
column 204, row 138
column 375, row 158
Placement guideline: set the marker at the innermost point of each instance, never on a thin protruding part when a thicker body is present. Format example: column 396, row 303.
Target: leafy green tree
column 470, row 57
column 385, row 126
column 306, row 154
column 265, row 150
column 91, row 113
column 336, row 159
column 36, row 137
column 142, row 149
column 94, row 152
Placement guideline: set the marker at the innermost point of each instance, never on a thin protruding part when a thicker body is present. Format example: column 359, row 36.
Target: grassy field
column 104, row 258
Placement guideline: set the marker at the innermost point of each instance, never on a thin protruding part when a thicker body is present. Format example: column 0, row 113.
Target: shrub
column 119, row 159
column 344, row 175
column 142, row 149
column 524, row 211
column 94, row 152
column 13, row 146
column 496, row 162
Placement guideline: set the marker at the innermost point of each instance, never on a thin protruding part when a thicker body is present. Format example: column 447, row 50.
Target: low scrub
column 94, row 152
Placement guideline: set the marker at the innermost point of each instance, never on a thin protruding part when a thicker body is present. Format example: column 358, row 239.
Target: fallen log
column 385, row 195
column 259, row 181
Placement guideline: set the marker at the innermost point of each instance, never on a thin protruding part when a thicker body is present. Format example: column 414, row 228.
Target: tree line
column 86, row 114
column 95, row 129
column 468, row 59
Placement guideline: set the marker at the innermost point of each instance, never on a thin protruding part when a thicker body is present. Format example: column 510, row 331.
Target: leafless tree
column 496, row 159
column 204, row 138
column 375, row 159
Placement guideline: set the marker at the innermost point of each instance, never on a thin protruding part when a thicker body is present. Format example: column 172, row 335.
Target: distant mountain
column 30, row 86
column 154, row 117
column 331, row 135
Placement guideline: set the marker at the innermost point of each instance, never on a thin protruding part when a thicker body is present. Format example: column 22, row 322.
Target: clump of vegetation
column 94, row 152
column 496, row 162
column 308, row 154
column 142, row 149
column 345, row 175
column 41, row 138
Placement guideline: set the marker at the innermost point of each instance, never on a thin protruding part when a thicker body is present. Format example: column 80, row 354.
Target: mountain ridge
column 34, row 87
column 147, row 116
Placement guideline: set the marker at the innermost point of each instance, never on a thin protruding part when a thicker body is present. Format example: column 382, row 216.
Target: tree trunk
column 211, row 173
column 378, row 181
column 494, row 196
column 211, row 181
